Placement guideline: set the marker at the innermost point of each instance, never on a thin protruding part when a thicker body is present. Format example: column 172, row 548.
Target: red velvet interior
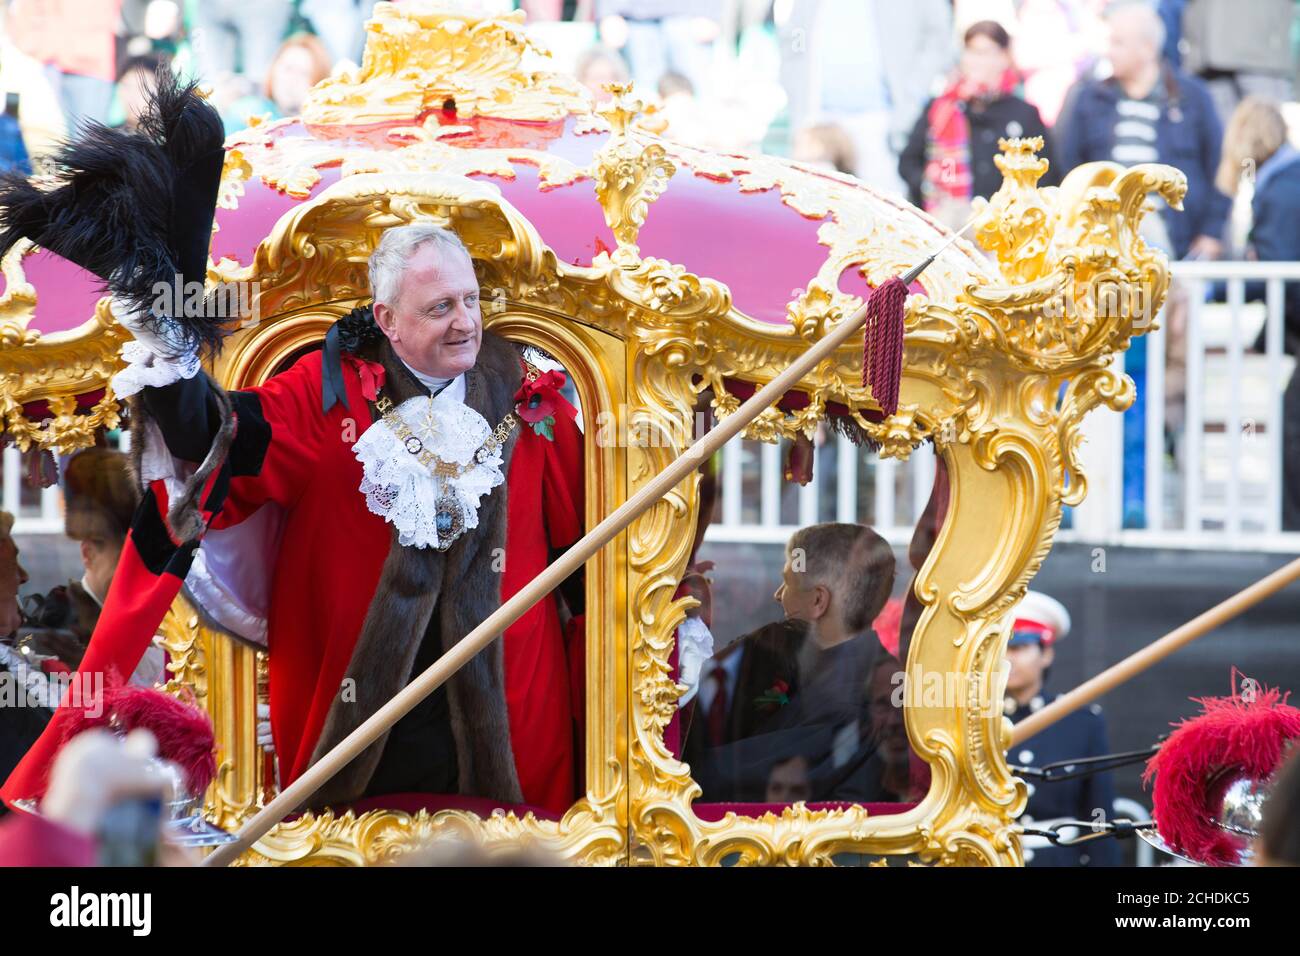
column 708, row 812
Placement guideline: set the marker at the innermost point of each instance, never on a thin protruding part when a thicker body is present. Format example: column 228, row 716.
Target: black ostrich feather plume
column 134, row 208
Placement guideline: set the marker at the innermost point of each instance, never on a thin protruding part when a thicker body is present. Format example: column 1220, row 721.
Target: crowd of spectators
column 910, row 97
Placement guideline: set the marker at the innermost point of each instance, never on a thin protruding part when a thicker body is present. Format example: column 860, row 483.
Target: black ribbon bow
column 348, row 334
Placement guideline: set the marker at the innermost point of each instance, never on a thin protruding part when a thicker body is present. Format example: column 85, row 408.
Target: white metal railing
column 1221, row 487
column 849, row 484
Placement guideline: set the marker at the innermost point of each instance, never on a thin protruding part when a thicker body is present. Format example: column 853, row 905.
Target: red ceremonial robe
column 331, row 553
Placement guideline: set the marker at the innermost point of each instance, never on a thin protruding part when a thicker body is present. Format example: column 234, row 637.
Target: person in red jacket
column 359, row 513
column 382, row 498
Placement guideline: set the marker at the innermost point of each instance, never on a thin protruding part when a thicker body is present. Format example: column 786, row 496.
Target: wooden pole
column 1158, row 650
column 509, row 612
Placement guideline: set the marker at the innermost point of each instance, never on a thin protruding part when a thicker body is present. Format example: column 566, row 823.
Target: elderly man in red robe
column 360, row 513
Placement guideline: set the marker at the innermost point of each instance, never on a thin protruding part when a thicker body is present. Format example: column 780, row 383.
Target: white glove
column 694, row 647
column 264, row 728
column 163, row 337
column 156, row 357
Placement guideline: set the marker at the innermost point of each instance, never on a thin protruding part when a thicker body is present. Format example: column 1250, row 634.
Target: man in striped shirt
column 1146, row 112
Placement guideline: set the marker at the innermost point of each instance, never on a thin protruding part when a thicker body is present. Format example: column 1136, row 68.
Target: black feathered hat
column 134, row 208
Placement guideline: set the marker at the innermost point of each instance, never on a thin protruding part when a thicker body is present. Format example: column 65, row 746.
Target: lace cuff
column 155, row 357
column 145, row 369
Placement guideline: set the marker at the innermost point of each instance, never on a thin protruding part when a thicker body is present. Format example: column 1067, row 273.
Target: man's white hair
column 1155, row 26
column 396, row 248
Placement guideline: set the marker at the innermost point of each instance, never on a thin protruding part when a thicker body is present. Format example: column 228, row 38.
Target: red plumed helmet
column 183, row 729
column 1240, row 737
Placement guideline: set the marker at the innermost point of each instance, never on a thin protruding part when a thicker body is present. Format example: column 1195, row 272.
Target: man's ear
column 1048, row 653
column 821, row 600
column 385, row 319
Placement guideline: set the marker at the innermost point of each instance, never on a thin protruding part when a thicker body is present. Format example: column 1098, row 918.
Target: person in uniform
column 1041, row 621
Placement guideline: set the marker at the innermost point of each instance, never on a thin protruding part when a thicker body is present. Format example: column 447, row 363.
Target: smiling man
column 366, row 509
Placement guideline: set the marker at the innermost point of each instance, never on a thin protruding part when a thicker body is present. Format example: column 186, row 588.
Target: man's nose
column 465, row 318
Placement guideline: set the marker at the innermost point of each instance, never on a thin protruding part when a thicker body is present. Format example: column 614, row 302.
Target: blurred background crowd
column 910, row 97
column 907, row 96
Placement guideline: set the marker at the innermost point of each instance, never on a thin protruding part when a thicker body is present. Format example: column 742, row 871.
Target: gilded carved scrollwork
column 220, row 675
column 439, row 58
column 384, row 837
column 630, row 175
column 55, row 368
column 979, row 381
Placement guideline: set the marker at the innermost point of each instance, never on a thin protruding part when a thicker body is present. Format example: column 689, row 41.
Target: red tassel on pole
column 799, row 462
column 882, row 345
column 882, row 355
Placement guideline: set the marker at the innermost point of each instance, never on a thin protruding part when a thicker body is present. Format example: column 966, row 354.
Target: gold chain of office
column 437, row 466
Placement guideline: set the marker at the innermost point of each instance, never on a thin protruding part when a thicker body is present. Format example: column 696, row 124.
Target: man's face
column 133, row 91
column 292, row 79
column 788, row 782
column 983, row 61
column 799, row 601
column 887, row 723
column 435, row 324
column 99, row 556
column 12, row 577
column 1131, row 49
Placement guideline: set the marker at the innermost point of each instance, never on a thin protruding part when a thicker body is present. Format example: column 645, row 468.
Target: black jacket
column 1080, row 734
column 769, row 658
column 832, row 707
column 1006, row 117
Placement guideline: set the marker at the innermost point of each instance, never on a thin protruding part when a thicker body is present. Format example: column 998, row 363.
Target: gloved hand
column 157, row 357
column 694, row 647
column 264, row 739
column 161, row 336
column 96, row 770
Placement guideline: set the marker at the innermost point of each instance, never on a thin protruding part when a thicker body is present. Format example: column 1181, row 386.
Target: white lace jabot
column 405, row 492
